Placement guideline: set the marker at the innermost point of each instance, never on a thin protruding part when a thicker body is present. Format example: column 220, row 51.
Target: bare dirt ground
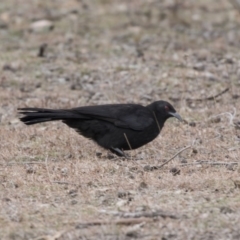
column 55, row 184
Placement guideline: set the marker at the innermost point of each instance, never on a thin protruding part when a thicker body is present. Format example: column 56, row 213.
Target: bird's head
column 163, row 110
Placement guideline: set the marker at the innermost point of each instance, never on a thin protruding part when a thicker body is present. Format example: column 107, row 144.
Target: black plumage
column 116, row 127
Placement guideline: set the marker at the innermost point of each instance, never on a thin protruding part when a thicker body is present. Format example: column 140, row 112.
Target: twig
column 149, row 214
column 189, row 100
column 66, row 183
column 123, row 221
column 128, row 218
column 19, row 163
column 53, row 237
column 157, row 121
column 230, row 115
column 210, row 163
column 166, row 162
column 129, row 145
column 208, row 98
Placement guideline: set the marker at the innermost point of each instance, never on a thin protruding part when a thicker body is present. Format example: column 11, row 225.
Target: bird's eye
column 166, row 108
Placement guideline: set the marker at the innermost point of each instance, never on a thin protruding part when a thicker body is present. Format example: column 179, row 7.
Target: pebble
column 41, row 26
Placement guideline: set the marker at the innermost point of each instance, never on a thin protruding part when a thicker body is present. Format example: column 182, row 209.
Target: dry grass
column 53, row 180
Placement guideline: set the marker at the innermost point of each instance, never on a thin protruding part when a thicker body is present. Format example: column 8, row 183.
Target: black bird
column 116, row 127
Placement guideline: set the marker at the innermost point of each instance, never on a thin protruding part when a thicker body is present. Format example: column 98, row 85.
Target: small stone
column 41, row 26
column 32, row 225
column 231, row 167
column 215, row 120
column 229, row 60
column 13, row 66
column 237, row 125
column 67, row 156
column 3, row 25
column 195, row 151
column 30, row 169
column 62, row 80
column 192, row 124
column 149, row 168
column 122, row 194
column 38, row 85
column 184, row 160
column 111, row 156
column 131, row 176
column 14, row 121
column 236, row 183
column 64, row 171
column 175, row 171
column 121, row 203
column 73, row 193
column 235, row 96
column 202, row 54
column 210, row 76
column 140, row 156
column 142, row 186
column 132, row 234
column 74, row 202
column 199, row 141
column 133, row 169
column 76, row 86
column 226, row 210
column 99, row 154
column 199, row 67
column 6, row 199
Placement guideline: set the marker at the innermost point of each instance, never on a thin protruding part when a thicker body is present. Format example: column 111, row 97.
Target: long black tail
column 38, row 115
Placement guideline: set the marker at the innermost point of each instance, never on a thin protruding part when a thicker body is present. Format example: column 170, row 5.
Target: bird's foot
column 119, row 152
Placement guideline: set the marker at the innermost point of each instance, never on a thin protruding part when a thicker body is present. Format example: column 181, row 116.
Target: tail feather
column 38, row 115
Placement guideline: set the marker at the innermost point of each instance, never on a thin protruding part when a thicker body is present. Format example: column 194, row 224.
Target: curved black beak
column 176, row 115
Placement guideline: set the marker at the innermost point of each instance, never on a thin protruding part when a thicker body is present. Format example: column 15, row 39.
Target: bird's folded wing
column 131, row 116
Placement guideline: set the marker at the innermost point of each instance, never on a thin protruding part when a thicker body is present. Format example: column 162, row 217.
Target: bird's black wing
column 131, row 116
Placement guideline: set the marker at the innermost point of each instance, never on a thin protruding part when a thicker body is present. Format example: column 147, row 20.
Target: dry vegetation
column 54, row 184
